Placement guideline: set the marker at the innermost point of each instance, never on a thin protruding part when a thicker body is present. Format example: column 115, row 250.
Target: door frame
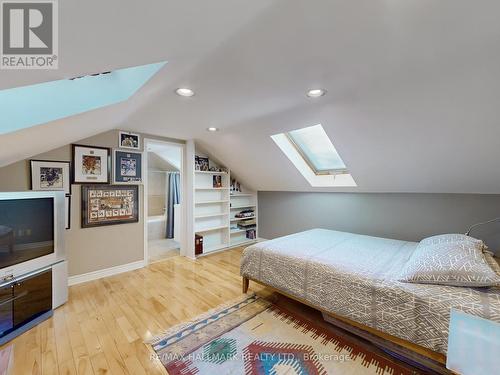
column 145, row 162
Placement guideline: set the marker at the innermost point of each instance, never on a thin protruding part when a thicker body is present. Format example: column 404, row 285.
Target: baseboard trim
column 94, row 275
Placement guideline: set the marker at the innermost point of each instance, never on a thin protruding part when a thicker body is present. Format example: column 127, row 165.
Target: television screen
column 26, row 229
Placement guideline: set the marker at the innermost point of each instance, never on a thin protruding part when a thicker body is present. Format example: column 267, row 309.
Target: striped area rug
column 254, row 336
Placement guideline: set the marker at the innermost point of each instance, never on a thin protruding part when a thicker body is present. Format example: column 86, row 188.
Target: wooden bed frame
column 414, row 352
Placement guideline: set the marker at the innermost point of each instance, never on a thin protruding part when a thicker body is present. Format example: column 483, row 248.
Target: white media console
column 34, row 277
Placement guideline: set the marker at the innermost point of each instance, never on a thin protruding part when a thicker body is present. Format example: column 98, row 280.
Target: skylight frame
column 331, row 178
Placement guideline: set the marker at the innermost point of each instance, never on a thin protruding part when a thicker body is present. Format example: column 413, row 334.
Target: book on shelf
column 247, row 223
column 198, row 244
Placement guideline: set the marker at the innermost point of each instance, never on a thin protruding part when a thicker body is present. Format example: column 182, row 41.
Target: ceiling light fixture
column 212, row 129
column 183, row 91
column 316, row 93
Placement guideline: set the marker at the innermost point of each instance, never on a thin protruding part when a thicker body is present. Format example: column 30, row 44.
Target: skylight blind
column 317, row 149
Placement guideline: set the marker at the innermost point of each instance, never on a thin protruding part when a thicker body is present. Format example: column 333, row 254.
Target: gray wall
column 401, row 216
column 89, row 249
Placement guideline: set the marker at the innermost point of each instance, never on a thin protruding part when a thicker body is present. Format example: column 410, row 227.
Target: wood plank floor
column 102, row 328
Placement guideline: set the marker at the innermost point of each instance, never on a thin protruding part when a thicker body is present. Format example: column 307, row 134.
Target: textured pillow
column 493, row 263
column 460, row 263
column 446, row 238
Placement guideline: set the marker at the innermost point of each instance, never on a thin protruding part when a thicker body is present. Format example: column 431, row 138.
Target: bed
column 354, row 277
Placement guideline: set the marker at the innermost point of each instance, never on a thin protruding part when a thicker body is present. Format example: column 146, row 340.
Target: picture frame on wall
column 49, row 175
column 129, row 140
column 109, row 205
column 67, row 212
column 127, row 167
column 91, row 164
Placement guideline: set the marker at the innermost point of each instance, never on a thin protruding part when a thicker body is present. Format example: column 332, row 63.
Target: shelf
column 234, row 231
column 211, row 188
column 219, row 246
column 241, row 195
column 211, row 229
column 211, row 202
column 242, row 218
column 211, row 215
column 209, row 172
column 245, row 206
column 242, row 242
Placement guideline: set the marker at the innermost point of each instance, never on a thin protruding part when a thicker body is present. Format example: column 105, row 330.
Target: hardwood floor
column 102, row 328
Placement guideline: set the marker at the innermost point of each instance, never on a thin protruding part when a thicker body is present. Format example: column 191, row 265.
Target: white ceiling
column 170, row 154
column 413, row 85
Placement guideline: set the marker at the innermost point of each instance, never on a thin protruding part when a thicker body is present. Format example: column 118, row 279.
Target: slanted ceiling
column 413, row 86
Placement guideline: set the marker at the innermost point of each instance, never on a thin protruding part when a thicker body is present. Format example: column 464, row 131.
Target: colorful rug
column 253, row 336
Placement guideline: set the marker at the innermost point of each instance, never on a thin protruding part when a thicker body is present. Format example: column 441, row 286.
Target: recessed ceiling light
column 212, row 129
column 183, row 91
column 316, row 93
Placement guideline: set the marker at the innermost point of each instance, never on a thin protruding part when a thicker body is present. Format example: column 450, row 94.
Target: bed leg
column 246, row 282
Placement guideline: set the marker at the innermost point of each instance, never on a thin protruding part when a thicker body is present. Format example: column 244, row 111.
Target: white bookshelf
column 215, row 209
column 241, row 200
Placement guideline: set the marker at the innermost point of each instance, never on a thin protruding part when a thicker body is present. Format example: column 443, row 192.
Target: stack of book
column 245, row 213
column 247, row 224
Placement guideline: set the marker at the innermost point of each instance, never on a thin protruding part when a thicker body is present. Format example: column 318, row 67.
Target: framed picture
column 50, row 175
column 196, row 163
column 203, row 163
column 127, row 167
column 129, row 140
column 91, row 164
column 67, row 208
column 109, row 205
column 217, row 181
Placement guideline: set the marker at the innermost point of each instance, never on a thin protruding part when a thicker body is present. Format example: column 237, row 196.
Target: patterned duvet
column 355, row 276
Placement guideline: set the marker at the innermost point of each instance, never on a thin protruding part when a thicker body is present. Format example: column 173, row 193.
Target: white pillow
column 459, row 263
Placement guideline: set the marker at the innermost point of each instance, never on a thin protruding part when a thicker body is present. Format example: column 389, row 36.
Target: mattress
column 355, row 276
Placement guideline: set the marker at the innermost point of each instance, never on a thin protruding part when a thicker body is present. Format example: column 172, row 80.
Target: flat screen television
column 26, row 229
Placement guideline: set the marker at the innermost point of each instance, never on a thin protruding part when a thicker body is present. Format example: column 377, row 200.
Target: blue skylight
column 317, row 148
column 312, row 152
column 27, row 106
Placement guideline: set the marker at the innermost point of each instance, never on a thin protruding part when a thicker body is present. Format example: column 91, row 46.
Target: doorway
column 163, row 191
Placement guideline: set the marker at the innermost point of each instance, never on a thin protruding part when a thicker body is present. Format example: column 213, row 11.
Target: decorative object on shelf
column 127, row 167
column 198, row 244
column 217, row 181
column 201, row 163
column 129, row 140
column 49, row 175
column 218, row 169
column 109, row 204
column 67, row 211
column 91, row 164
column 235, row 186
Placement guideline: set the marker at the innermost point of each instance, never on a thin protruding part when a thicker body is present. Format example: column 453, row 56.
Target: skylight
column 312, row 152
column 317, row 149
column 27, row 106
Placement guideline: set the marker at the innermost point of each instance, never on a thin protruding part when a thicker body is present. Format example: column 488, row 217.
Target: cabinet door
column 32, row 297
column 6, row 319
